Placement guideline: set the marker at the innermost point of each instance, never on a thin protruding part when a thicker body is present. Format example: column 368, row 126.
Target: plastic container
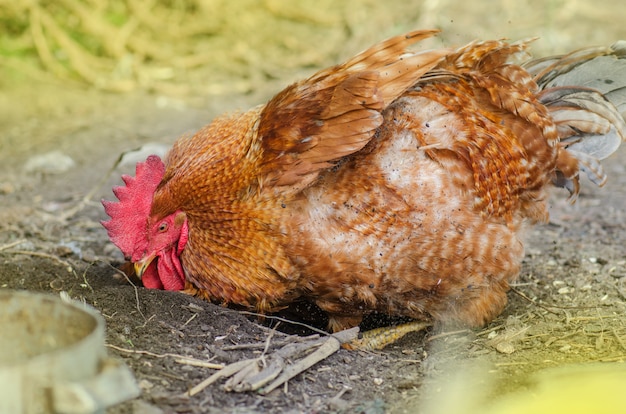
column 53, row 358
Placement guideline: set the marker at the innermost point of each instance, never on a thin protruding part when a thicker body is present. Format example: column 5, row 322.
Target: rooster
column 399, row 182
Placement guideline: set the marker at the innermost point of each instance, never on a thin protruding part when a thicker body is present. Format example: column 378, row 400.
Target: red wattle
column 150, row 277
column 170, row 270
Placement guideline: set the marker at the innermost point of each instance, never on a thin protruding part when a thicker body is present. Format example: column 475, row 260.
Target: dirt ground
column 59, row 139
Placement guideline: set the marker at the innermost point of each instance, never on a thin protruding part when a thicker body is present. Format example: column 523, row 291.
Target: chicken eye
column 162, row 227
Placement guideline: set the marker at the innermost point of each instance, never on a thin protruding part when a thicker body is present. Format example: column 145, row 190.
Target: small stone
column 63, row 251
column 54, row 162
column 27, row 245
column 7, row 188
column 505, row 348
column 142, row 407
column 378, row 381
column 89, row 256
column 151, row 148
column 145, row 384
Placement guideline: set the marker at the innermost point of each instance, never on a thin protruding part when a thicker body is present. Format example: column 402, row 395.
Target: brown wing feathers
column 336, row 112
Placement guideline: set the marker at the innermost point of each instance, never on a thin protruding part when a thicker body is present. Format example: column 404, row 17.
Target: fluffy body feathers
column 399, row 182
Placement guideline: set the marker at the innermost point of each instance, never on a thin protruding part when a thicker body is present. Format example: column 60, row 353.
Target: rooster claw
column 377, row 339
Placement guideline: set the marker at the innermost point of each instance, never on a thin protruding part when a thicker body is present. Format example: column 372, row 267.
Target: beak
column 142, row 265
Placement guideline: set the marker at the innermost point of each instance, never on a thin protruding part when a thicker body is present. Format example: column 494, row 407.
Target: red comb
column 127, row 227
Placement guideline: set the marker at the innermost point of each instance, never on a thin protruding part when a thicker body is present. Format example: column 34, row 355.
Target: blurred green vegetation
column 121, row 45
column 217, row 47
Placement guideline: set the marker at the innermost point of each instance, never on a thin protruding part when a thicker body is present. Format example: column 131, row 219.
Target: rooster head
column 153, row 244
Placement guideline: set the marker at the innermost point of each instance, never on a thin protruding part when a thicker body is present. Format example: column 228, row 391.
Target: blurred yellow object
column 573, row 389
column 584, row 389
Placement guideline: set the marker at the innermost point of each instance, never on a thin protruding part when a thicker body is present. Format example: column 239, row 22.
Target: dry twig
column 288, row 340
column 12, row 244
column 57, row 259
column 247, row 375
column 278, row 318
column 181, row 359
column 330, row 345
column 134, row 287
column 445, row 334
column 523, row 296
column 619, row 339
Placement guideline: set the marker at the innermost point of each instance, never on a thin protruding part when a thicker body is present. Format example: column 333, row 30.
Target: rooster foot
column 377, row 339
